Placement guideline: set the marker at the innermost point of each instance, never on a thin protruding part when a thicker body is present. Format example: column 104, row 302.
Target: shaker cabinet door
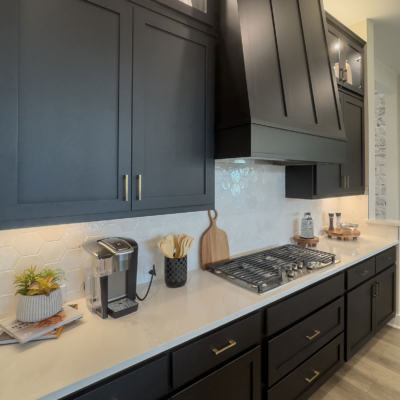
column 353, row 115
column 385, row 300
column 328, row 181
column 346, row 60
column 360, row 317
column 172, row 143
column 65, row 107
column 352, row 58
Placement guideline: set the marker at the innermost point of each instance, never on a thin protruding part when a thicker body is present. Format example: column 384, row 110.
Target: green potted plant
column 39, row 294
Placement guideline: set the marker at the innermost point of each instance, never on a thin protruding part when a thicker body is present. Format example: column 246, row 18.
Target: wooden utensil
column 214, row 244
column 173, row 240
column 166, row 248
column 186, row 245
column 178, row 248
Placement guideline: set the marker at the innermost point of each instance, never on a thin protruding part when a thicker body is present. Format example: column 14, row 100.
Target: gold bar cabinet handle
column 231, row 344
column 313, row 336
column 314, row 377
column 140, row 187
column 363, row 273
column 126, row 187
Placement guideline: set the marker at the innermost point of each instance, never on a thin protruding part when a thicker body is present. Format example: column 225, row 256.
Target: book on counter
column 5, row 338
column 25, row 332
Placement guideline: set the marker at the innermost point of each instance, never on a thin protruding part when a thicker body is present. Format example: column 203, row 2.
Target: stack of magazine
column 14, row 331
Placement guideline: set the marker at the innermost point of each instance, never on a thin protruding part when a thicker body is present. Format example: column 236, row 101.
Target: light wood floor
column 372, row 374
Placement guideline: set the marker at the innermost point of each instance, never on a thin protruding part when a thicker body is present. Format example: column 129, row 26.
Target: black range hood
column 277, row 98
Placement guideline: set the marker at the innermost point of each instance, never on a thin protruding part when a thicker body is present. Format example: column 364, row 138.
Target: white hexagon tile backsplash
column 252, row 208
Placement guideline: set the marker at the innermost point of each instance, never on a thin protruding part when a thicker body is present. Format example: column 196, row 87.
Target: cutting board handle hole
column 213, row 219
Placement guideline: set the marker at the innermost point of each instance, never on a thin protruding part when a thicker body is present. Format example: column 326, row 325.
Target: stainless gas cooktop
column 266, row 270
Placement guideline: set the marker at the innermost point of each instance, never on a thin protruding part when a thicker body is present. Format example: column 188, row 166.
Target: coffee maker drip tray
column 121, row 307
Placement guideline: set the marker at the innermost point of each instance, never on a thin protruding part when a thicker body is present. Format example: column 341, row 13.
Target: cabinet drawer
column 299, row 306
column 301, row 383
column 238, row 380
column 198, row 358
column 140, row 382
column 291, row 348
column 385, row 259
column 360, row 273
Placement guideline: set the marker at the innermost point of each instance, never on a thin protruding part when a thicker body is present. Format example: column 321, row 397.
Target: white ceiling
column 386, row 16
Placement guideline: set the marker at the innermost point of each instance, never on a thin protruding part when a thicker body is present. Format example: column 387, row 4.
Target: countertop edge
column 323, row 274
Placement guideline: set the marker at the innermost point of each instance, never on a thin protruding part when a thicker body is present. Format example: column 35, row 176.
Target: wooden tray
column 343, row 235
column 306, row 242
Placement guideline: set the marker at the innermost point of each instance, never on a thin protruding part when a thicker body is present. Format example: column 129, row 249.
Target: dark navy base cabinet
column 369, row 308
column 284, row 351
column 96, row 93
column 239, row 380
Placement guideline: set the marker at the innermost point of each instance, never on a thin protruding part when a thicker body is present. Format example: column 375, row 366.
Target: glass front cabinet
column 202, row 10
column 346, row 61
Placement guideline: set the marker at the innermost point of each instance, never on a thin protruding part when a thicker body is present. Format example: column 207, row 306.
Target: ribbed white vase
column 38, row 308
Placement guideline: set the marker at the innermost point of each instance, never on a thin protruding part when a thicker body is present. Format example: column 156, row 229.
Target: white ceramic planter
column 38, row 308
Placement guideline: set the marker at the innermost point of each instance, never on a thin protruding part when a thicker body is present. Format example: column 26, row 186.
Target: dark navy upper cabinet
column 93, row 94
column 65, row 107
column 173, row 120
column 346, row 52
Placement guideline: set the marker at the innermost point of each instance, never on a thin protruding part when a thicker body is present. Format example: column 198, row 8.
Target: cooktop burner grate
column 266, row 270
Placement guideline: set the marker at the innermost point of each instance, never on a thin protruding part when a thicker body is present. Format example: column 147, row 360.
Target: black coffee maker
column 110, row 283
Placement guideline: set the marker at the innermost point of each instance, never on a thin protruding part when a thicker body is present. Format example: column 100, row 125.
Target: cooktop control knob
column 294, row 266
column 299, row 264
column 290, row 273
column 312, row 264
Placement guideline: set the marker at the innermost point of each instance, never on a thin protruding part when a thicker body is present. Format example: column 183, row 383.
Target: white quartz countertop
column 92, row 348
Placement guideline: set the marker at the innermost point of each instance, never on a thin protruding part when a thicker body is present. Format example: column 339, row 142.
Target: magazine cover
column 25, row 332
column 5, row 338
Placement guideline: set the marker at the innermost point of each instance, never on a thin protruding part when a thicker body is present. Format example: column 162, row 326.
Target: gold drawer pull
column 314, row 377
column 231, row 344
column 314, row 336
column 363, row 273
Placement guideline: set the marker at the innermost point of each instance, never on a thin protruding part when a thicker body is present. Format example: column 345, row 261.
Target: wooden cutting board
column 214, row 244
